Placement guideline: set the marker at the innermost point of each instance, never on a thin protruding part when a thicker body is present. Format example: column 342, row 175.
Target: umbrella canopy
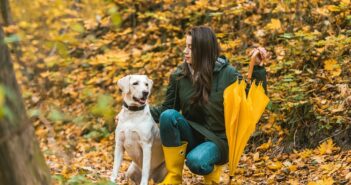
column 241, row 113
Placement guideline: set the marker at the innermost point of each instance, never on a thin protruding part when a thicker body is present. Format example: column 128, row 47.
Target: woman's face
column 187, row 50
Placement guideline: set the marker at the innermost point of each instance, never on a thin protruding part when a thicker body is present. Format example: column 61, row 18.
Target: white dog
column 138, row 134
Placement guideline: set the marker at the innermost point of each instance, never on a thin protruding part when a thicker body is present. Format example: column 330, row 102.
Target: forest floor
column 73, row 159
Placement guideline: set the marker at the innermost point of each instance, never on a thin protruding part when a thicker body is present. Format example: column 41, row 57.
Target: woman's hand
column 260, row 55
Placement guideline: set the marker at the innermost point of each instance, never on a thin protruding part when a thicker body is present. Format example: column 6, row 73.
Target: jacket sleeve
column 171, row 99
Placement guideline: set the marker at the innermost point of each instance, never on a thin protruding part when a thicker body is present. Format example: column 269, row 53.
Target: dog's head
column 135, row 89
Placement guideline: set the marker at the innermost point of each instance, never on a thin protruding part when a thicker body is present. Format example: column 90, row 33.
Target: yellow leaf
column 126, row 31
column 253, row 20
column 327, row 167
column 24, row 24
column 345, row 3
column 326, row 147
column 265, row 146
column 202, row 3
column 333, row 8
column 256, row 156
column 90, row 24
column 293, row 168
column 220, row 35
column 275, row 165
column 65, row 171
column 312, row 183
column 328, row 181
column 259, row 174
column 333, row 67
column 321, row 11
column 305, row 153
column 239, row 171
column 110, row 36
column 293, row 182
column 45, row 74
column 78, row 28
column 234, row 43
column 274, row 25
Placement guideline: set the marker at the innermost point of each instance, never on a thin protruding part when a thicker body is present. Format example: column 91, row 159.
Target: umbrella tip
column 230, row 179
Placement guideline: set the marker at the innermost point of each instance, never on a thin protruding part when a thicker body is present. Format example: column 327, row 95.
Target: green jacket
column 208, row 120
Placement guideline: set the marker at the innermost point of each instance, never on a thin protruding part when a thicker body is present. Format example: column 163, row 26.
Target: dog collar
column 134, row 108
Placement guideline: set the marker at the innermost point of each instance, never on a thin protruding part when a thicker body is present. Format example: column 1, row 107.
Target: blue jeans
column 201, row 155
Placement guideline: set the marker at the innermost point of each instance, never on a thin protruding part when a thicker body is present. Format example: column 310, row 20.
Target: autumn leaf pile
column 73, row 53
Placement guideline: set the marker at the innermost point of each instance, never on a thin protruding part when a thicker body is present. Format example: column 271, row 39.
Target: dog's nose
column 145, row 93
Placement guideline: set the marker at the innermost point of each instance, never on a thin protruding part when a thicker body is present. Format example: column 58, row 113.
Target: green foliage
column 104, row 108
column 56, row 115
column 34, row 113
column 98, row 134
column 116, row 18
column 12, row 38
column 5, row 112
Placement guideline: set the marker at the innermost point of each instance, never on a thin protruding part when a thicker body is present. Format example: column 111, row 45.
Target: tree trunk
column 5, row 11
column 7, row 21
column 21, row 161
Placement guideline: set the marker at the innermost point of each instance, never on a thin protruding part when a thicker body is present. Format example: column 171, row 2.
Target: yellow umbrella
column 231, row 115
column 241, row 113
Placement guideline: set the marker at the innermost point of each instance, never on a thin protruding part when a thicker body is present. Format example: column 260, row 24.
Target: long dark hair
column 204, row 53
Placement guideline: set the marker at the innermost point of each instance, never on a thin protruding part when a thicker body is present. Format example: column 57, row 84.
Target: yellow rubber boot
column 214, row 176
column 174, row 157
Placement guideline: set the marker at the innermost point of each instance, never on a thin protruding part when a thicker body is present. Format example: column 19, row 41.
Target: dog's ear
column 123, row 84
column 150, row 84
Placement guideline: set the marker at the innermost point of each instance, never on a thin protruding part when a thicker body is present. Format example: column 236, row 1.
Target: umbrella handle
column 251, row 67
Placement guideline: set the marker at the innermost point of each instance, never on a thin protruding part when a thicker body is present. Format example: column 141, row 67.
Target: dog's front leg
column 146, row 163
column 119, row 150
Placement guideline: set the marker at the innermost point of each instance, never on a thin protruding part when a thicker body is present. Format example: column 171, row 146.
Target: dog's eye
column 135, row 83
column 147, row 85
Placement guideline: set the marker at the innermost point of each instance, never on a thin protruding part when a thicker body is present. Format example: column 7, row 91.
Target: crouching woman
column 192, row 115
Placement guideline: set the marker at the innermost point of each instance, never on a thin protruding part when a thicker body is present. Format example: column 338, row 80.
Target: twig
column 53, row 50
column 295, row 137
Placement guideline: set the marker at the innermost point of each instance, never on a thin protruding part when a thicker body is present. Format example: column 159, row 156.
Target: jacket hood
column 220, row 64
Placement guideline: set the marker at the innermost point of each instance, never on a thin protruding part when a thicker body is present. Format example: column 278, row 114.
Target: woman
column 196, row 90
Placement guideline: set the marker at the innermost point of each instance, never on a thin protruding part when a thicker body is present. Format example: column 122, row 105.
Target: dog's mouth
column 141, row 101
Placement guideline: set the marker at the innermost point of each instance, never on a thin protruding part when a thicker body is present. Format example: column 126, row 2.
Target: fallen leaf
column 275, row 165
column 274, row 25
column 326, row 147
column 332, row 67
